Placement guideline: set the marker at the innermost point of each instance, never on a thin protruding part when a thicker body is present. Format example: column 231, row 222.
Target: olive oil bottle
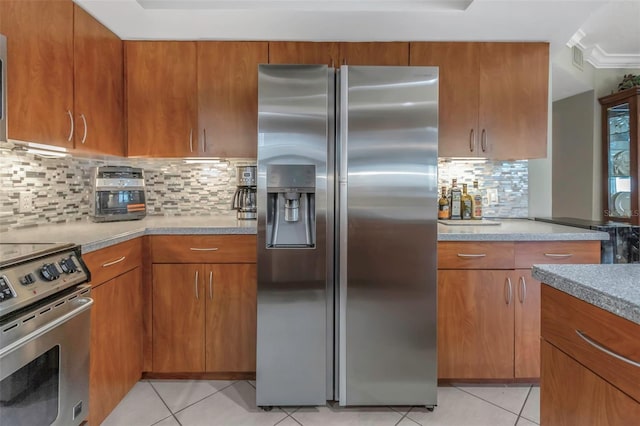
column 466, row 203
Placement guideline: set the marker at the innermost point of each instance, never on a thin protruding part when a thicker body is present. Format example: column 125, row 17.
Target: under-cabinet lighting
column 47, row 153
column 205, row 161
column 46, row 148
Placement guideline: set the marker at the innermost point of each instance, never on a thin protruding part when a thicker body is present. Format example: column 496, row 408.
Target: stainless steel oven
column 44, row 338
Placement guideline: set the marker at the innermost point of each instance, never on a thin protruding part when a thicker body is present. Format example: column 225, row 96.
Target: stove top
column 36, row 271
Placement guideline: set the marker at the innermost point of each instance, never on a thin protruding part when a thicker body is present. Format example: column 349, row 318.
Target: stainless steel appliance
column 623, row 245
column 244, row 200
column 347, row 201
column 118, row 193
column 44, row 335
column 3, row 88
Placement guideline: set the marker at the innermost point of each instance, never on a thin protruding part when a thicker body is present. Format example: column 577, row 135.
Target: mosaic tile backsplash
column 61, row 187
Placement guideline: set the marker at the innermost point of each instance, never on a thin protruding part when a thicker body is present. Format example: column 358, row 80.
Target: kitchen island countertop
column 614, row 288
column 93, row 236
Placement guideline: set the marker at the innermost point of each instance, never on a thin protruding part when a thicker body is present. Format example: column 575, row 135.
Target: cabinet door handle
column 598, row 346
column 508, row 290
column 191, row 140
column 472, row 140
column 483, row 140
column 211, row 285
column 113, row 262
column 559, row 255
column 72, row 126
column 203, row 248
column 204, row 140
column 84, row 136
column 196, row 281
column 523, row 290
column 471, row 255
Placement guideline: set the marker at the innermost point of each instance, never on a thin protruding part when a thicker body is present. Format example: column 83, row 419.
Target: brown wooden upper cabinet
column 335, row 53
column 56, row 49
column 493, row 99
column 189, row 99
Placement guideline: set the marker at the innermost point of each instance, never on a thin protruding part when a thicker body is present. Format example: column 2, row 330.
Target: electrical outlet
column 26, row 202
column 492, row 196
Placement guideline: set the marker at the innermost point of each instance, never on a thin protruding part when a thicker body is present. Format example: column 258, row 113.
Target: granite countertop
column 93, row 236
column 517, row 230
column 614, row 288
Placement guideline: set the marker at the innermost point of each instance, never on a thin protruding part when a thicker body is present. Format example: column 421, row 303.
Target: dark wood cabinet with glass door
column 620, row 140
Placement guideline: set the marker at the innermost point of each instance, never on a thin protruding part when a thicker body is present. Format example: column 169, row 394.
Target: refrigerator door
column 387, row 163
column 295, row 243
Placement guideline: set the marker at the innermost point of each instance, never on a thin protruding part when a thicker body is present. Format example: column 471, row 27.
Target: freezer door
column 387, row 162
column 294, row 240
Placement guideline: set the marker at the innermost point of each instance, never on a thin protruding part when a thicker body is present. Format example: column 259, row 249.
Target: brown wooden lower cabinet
column 571, row 394
column 489, row 305
column 204, row 318
column 527, row 325
column 475, row 325
column 116, row 342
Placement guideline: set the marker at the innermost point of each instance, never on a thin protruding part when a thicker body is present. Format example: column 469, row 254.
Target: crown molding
column 600, row 58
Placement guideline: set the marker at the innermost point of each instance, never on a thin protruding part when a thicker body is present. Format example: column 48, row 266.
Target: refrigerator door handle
column 343, row 231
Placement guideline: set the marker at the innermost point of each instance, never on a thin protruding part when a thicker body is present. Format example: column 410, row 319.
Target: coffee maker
column 244, row 200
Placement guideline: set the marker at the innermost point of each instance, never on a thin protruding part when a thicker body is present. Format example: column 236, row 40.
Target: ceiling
column 607, row 31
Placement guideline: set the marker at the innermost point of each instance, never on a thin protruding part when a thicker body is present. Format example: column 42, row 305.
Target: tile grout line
column 492, row 403
column 165, row 404
column 195, row 402
column 523, row 405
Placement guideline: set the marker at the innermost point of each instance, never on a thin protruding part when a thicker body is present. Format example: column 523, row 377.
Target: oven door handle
column 84, row 304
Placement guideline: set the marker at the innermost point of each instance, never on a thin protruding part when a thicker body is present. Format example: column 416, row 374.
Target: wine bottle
column 455, row 201
column 443, row 205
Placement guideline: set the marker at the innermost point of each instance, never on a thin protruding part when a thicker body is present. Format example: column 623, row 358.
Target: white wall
column 573, row 156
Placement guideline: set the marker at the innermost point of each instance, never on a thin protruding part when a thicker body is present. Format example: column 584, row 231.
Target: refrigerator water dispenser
column 291, row 219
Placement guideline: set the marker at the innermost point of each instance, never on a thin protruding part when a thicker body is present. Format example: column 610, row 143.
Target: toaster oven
column 118, row 194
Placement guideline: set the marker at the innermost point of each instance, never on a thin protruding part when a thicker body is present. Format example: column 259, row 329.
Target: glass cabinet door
column 619, row 159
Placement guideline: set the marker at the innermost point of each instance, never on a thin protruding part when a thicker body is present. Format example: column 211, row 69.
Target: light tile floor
column 228, row 403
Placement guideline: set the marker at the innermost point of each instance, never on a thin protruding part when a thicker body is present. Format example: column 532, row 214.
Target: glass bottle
column 466, row 203
column 443, row 205
column 455, row 201
column 477, row 201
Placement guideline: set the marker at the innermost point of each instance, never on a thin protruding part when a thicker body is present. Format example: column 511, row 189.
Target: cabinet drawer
column 112, row 261
column 549, row 252
column 203, row 248
column 564, row 317
column 475, row 255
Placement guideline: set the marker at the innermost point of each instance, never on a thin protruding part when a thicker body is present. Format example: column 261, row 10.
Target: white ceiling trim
column 310, row 5
column 600, row 58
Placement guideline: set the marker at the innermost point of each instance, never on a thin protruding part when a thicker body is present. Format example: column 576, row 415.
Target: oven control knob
column 68, row 266
column 49, row 272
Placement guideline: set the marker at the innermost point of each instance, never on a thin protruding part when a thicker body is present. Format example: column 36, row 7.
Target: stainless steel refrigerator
column 347, row 207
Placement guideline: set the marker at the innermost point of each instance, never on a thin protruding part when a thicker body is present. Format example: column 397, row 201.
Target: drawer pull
column 104, row 265
column 558, row 254
column 203, row 249
column 605, row 350
column 471, row 255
